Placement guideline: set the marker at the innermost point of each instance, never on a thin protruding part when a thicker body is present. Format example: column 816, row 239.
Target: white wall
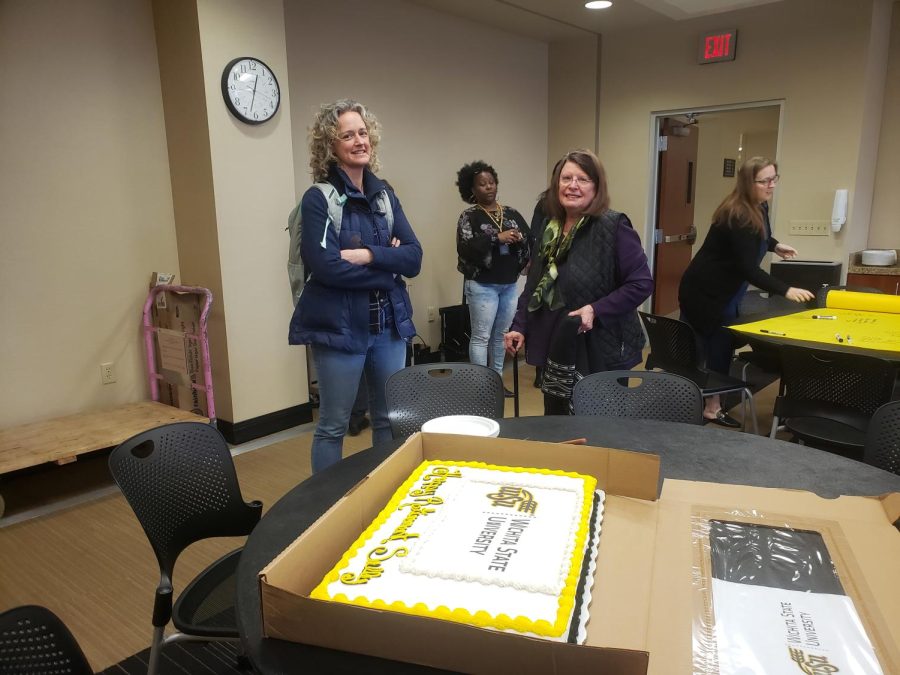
column 87, row 205
column 446, row 92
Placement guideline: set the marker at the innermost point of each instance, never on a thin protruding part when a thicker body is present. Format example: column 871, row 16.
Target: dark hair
column 465, row 179
column 740, row 207
column 588, row 162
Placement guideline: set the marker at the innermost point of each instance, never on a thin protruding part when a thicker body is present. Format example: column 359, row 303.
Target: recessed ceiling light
column 598, row 4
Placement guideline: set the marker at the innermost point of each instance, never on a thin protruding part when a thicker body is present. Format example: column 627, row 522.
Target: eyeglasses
column 768, row 181
column 580, row 181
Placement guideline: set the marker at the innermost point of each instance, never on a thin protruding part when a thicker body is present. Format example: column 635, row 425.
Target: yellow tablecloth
column 864, row 320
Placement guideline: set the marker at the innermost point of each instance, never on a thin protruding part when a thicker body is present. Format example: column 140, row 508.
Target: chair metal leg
column 747, row 398
column 774, row 426
column 156, row 650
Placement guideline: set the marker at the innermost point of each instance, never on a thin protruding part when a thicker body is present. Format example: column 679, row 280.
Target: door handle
column 689, row 237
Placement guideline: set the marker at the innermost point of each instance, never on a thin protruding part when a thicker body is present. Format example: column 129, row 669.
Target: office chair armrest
column 162, row 606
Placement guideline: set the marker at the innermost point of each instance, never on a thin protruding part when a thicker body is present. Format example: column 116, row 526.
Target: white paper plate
column 468, row 425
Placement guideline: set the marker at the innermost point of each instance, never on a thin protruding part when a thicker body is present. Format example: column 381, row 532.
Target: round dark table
column 687, row 452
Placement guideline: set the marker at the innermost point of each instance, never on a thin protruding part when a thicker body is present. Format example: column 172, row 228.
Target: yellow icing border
column 480, row 618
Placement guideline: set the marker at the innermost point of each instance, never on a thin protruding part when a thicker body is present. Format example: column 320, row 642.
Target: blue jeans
column 338, row 374
column 491, row 310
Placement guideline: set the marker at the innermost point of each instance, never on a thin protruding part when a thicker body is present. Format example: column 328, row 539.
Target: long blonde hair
column 740, row 207
column 324, row 132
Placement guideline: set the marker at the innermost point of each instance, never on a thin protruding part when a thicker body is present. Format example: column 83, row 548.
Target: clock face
column 250, row 90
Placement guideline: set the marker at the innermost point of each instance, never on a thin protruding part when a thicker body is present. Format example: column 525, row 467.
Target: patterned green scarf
column 554, row 250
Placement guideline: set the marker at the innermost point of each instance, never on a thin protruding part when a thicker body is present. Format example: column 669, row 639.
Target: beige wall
column 885, row 228
column 86, row 203
column 573, row 96
column 253, row 183
column 446, row 92
column 815, row 55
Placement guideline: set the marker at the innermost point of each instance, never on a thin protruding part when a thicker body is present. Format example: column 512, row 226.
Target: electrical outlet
column 810, row 228
column 107, row 373
column 432, row 313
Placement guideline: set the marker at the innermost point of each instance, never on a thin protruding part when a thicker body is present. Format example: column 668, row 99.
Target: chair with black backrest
column 674, row 348
column 829, row 397
column 882, row 447
column 654, row 396
column 181, row 484
column 421, row 393
column 822, row 293
column 33, row 640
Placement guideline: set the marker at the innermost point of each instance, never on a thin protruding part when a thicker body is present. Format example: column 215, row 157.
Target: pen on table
column 823, row 316
column 772, row 332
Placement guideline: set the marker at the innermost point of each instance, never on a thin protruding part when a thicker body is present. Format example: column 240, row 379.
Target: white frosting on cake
column 489, row 546
column 533, row 552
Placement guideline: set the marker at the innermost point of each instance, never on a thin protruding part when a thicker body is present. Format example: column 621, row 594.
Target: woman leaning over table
column 492, row 245
column 714, row 283
column 354, row 311
column 590, row 264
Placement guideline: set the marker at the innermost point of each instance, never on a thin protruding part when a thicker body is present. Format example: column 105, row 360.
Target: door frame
column 653, row 162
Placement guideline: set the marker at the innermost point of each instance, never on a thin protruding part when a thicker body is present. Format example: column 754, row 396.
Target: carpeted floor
column 195, row 658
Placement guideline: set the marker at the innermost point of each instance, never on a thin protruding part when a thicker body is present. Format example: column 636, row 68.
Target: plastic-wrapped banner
column 778, row 606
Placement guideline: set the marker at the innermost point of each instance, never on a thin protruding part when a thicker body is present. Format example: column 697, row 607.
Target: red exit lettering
column 717, row 46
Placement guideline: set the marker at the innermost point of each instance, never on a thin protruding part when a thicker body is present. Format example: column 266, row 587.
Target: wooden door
column 675, row 230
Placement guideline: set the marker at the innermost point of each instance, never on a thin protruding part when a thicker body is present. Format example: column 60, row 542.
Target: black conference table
column 700, row 453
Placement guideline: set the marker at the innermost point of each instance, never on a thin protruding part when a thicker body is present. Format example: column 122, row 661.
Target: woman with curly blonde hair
column 354, row 310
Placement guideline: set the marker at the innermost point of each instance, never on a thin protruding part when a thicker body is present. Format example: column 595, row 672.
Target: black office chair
column 829, row 397
column 822, row 293
column 656, row 396
column 33, row 640
column 181, row 484
column 674, row 348
column 882, row 448
column 421, row 393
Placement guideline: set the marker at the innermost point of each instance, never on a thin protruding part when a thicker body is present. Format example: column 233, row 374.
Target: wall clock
column 250, row 90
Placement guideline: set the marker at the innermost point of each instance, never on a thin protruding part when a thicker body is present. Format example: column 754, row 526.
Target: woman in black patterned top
column 492, row 245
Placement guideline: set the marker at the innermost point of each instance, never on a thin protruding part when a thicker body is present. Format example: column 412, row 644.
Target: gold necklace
column 496, row 219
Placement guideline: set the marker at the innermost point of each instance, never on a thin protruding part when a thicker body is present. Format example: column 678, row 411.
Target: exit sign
column 719, row 45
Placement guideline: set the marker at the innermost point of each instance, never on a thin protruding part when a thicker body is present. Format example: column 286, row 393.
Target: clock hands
column 255, row 80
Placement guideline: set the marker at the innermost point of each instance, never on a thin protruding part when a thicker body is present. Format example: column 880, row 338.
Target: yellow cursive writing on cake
column 372, row 568
column 511, row 496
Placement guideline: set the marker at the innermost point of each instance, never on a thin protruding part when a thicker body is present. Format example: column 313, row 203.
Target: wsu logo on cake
column 513, row 497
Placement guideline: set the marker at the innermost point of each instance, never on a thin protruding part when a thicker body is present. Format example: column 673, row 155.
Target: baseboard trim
column 270, row 423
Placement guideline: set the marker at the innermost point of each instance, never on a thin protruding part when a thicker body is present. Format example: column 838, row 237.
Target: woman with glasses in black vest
column 587, row 278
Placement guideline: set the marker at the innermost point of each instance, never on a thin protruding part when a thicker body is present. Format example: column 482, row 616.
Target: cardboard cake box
column 643, row 609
